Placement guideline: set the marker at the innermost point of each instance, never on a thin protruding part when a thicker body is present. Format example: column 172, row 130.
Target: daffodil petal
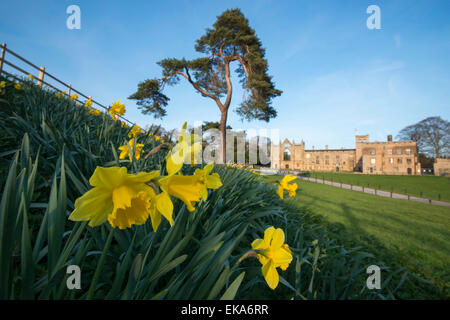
column 108, row 177
column 213, row 181
column 277, row 238
column 270, row 274
column 165, row 206
column 95, row 206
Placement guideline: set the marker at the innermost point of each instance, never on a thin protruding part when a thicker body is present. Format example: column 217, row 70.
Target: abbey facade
column 389, row 157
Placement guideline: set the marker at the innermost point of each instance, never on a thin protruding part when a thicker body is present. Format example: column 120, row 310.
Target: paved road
column 376, row 192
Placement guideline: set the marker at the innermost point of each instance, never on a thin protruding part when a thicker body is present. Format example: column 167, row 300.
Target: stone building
column 442, row 167
column 389, row 157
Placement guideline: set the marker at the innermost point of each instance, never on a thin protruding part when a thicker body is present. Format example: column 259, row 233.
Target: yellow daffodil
column 186, row 188
column 30, row 76
column 284, row 185
column 59, row 95
column 127, row 148
column 2, row 84
column 120, row 198
column 116, row 109
column 209, row 181
column 95, row 112
column 17, row 86
column 74, row 96
column 186, row 150
column 157, row 138
column 191, row 189
column 88, row 103
column 272, row 253
column 134, row 131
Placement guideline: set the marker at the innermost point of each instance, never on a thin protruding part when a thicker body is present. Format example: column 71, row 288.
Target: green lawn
column 400, row 232
column 430, row 187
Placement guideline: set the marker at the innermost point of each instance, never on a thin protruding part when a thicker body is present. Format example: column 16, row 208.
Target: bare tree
column 431, row 134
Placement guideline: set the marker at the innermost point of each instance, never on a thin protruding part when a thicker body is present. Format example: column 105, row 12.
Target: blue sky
column 335, row 73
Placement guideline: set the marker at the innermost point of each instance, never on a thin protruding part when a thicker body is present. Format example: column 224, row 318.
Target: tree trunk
column 223, row 134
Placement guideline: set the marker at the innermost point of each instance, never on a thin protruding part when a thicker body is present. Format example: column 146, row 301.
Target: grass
column 430, row 187
column 406, row 233
column 51, row 147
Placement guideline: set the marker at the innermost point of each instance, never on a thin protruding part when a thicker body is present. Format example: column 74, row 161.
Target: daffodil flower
column 185, row 151
column 116, row 109
column 95, row 112
column 30, row 76
column 272, row 252
column 134, row 131
column 74, row 96
column 284, row 185
column 17, row 86
column 209, row 181
column 118, row 197
column 191, row 189
column 2, row 84
column 127, row 149
column 88, row 103
column 186, row 188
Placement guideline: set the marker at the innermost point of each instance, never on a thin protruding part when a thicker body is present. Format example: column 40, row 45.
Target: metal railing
column 40, row 78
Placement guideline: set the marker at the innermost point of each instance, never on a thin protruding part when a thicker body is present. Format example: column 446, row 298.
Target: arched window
column 287, row 155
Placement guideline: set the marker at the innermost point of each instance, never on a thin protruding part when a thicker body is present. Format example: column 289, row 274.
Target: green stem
column 100, row 266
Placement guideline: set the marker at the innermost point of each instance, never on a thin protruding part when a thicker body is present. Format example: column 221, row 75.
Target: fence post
column 69, row 88
column 2, row 56
column 41, row 76
column 439, row 197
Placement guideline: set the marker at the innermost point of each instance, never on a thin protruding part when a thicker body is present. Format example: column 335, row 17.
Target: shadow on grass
column 414, row 287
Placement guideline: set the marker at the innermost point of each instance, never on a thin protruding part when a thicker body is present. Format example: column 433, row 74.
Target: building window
column 391, row 160
column 399, row 160
column 399, row 151
column 308, row 155
column 317, row 160
column 408, row 151
column 327, row 160
column 287, row 166
column 372, row 152
column 287, row 155
column 372, row 161
column 408, row 161
column 351, row 163
column 338, row 160
column 390, row 151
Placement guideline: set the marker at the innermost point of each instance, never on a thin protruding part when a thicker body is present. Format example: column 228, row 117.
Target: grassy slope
column 413, row 234
column 430, row 186
column 211, row 239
